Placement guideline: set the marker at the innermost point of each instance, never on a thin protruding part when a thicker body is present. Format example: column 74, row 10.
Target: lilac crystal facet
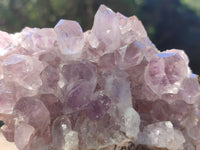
column 65, row 89
column 99, row 106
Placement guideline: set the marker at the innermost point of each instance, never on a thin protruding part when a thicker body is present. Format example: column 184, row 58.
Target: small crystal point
column 23, row 133
column 162, row 134
column 30, row 110
column 78, row 96
column 53, row 104
column 98, row 107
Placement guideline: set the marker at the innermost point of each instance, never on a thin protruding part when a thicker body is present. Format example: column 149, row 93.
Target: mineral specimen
column 107, row 88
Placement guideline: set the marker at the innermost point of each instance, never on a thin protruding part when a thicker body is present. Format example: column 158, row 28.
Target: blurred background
column 169, row 23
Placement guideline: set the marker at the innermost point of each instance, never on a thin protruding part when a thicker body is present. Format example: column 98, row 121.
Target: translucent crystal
column 99, row 134
column 107, row 61
column 129, row 56
column 50, row 78
column 79, row 70
column 29, row 110
column 105, row 30
column 107, row 88
column 132, row 122
column 70, row 37
column 23, row 133
column 165, row 72
column 77, row 96
column 22, row 69
column 31, row 39
column 63, row 136
column 53, row 104
column 99, row 106
column 190, row 89
column 162, row 134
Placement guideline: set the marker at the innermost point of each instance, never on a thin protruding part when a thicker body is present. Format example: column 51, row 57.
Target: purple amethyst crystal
column 99, row 106
column 65, row 89
column 77, row 96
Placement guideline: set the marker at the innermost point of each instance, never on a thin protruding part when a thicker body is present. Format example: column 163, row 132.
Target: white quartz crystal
column 163, row 135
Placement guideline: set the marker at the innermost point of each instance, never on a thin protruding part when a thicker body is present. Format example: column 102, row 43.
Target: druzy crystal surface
column 107, row 88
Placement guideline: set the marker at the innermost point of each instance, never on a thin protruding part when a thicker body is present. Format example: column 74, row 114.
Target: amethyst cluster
column 65, row 89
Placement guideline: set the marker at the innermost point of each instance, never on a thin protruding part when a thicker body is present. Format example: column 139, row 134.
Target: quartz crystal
column 162, row 134
column 107, row 88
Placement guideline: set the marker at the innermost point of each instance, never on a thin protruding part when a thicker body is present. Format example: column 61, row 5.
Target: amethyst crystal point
column 22, row 69
column 63, row 136
column 50, row 78
column 32, row 39
column 105, row 30
column 23, row 133
column 69, row 37
column 78, row 96
column 80, row 70
column 53, row 104
column 129, row 56
column 165, row 72
column 161, row 135
column 99, row 106
column 30, row 110
column 65, row 89
column 190, row 89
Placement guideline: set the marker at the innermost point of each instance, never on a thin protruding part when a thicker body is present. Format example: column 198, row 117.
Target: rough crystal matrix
column 107, row 88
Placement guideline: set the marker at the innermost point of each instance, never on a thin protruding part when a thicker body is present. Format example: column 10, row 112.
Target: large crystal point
column 69, row 37
column 105, row 30
column 166, row 71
